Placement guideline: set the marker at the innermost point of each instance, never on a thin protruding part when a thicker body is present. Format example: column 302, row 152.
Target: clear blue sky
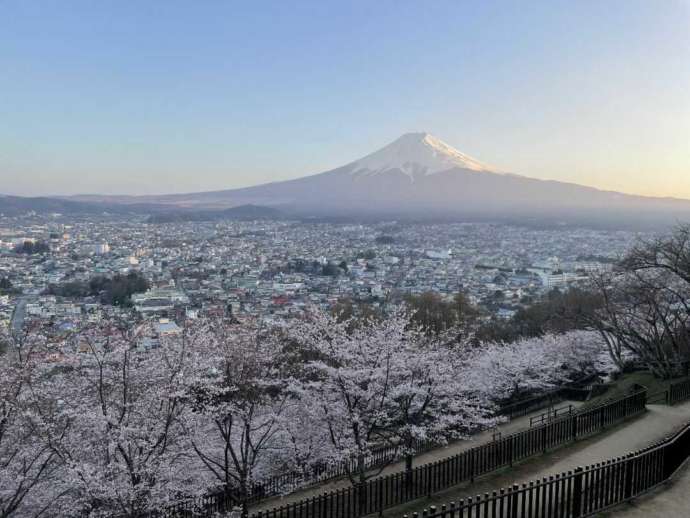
column 171, row 96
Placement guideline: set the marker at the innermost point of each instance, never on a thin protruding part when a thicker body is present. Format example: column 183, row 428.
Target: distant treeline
column 6, row 287
column 113, row 291
column 555, row 312
column 31, row 248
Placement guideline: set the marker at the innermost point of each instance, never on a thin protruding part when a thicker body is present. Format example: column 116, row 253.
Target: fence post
column 627, row 411
column 577, row 493
column 667, row 455
column 514, row 500
column 573, row 427
column 510, row 450
column 380, row 488
column 429, row 483
column 627, row 488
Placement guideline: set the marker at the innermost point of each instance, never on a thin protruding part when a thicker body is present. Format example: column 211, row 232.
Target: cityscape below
column 277, row 270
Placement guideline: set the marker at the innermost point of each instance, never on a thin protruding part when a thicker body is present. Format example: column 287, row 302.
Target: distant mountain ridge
column 18, row 205
column 418, row 176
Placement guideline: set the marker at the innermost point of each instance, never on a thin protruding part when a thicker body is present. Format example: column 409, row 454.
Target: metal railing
column 579, row 493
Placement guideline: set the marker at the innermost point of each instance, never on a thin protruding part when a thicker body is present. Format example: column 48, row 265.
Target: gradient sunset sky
column 142, row 97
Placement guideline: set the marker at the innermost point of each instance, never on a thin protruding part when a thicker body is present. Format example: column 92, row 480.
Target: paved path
column 656, row 424
column 507, row 428
column 670, row 500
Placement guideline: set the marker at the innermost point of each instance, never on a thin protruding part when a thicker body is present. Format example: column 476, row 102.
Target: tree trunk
column 244, row 496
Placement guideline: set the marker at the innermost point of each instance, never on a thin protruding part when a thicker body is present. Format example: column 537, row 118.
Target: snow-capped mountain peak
column 416, row 154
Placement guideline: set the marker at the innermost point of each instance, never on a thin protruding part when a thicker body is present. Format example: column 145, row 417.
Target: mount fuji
column 418, row 176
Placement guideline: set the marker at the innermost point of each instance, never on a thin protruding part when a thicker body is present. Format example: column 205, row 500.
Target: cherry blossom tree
column 238, row 396
column 384, row 383
column 123, row 452
column 308, row 450
column 579, row 353
column 507, row 371
column 433, row 399
column 30, row 472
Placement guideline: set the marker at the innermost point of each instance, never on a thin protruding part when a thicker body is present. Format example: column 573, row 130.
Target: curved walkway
column 657, row 423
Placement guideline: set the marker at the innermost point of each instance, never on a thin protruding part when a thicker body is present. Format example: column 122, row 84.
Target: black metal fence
column 577, row 391
column 288, row 482
column 678, row 392
column 318, row 473
column 675, row 393
column 551, row 415
column 392, row 490
column 579, row 493
column 526, row 406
